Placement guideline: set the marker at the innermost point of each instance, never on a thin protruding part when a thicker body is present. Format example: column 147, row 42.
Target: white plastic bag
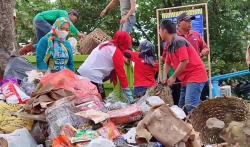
column 19, row 138
column 178, row 112
column 101, row 142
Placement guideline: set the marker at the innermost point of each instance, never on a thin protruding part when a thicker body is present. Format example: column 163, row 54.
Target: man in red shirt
column 188, row 66
column 184, row 29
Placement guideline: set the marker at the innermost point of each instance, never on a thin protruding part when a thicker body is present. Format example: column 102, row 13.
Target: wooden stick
column 209, row 55
column 195, row 5
column 159, row 44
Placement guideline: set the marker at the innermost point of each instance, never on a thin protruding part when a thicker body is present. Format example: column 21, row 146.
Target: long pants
column 128, row 26
column 42, row 28
column 190, row 96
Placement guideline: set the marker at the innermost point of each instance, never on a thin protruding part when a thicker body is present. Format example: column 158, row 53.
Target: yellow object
column 9, row 123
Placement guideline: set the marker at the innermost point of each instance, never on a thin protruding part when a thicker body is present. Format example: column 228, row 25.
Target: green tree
column 228, row 21
column 26, row 11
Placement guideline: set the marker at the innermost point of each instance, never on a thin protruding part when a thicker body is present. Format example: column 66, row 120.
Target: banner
column 197, row 24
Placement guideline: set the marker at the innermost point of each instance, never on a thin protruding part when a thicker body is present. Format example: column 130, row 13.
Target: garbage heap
column 65, row 110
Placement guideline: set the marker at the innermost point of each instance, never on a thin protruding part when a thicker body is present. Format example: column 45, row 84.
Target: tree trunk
column 7, row 31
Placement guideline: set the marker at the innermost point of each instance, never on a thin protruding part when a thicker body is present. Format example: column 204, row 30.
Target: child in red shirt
column 146, row 67
column 187, row 64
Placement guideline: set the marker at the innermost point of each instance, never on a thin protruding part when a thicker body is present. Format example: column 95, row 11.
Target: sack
column 126, row 115
column 68, row 80
column 10, row 123
column 164, row 125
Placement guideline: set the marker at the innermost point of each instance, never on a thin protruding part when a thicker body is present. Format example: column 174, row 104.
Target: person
column 247, row 56
column 188, row 66
column 146, row 67
column 184, row 29
column 107, row 60
column 54, row 52
column 43, row 23
column 128, row 11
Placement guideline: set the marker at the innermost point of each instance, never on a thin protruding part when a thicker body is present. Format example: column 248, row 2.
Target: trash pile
column 65, row 110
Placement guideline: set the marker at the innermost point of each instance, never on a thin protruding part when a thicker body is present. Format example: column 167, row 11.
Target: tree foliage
column 228, row 21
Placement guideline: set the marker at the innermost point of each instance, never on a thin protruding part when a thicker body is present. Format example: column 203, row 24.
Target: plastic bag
column 95, row 105
column 109, row 131
column 154, row 101
column 126, row 115
column 178, row 112
column 13, row 94
column 62, row 141
column 68, row 130
column 130, row 136
column 101, row 142
column 28, row 87
column 58, row 116
column 39, row 132
column 83, row 136
column 115, row 106
column 68, row 80
column 19, row 138
column 94, row 115
column 17, row 68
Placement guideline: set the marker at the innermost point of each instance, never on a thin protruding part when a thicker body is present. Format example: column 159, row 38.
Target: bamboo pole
column 178, row 7
column 159, row 45
column 209, row 55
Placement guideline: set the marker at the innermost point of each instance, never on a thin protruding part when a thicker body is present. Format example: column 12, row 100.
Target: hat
column 74, row 12
column 184, row 16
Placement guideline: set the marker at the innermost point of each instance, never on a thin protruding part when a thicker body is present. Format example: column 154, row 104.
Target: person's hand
column 124, row 20
column 204, row 52
column 171, row 80
column 128, row 93
column 103, row 13
column 81, row 35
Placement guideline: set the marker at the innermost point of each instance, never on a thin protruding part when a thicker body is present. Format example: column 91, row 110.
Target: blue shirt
column 41, row 52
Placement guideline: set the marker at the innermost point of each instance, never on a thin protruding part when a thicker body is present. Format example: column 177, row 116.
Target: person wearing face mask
column 54, row 52
column 43, row 23
column 106, row 61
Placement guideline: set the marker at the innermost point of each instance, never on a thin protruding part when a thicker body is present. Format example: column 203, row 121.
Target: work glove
column 128, row 94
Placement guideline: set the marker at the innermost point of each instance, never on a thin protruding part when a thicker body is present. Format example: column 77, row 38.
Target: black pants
column 176, row 90
column 100, row 89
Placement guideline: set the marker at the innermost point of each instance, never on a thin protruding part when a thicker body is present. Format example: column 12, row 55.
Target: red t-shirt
column 195, row 39
column 144, row 74
column 180, row 50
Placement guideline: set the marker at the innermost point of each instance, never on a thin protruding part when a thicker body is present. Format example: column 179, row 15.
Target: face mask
column 63, row 34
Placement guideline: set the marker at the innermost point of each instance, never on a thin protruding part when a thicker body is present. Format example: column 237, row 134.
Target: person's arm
column 133, row 56
column 203, row 46
column 70, row 64
column 131, row 12
column 119, row 62
column 110, row 6
column 74, row 30
column 40, row 54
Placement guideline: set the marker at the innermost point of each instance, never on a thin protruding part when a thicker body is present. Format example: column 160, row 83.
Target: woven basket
column 92, row 40
column 224, row 109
